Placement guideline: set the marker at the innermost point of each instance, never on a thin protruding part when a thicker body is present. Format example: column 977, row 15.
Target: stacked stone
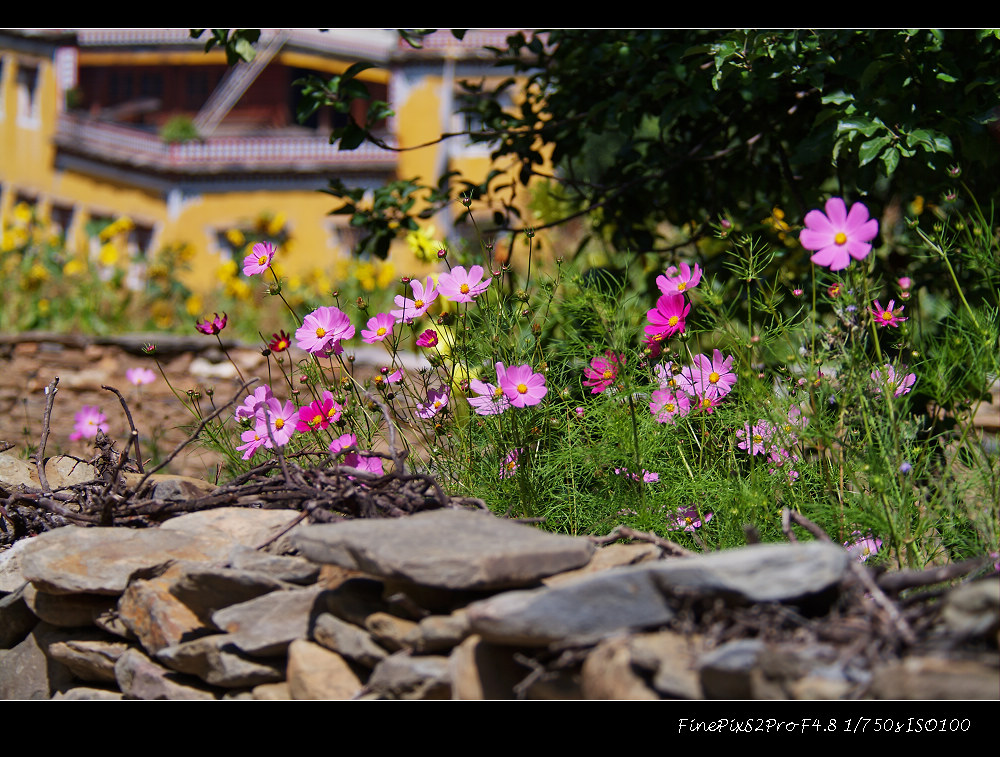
column 448, row 604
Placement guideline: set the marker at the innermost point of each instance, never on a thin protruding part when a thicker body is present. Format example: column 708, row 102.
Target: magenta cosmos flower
column 838, row 236
column 678, row 283
column 353, row 459
column 422, row 299
column 378, row 329
column 140, row 376
column 888, row 316
column 88, row 422
column 323, row 328
column 459, row 286
column 667, row 318
column 428, row 339
column 259, row 259
column 212, row 326
column 711, row 379
column 316, row 415
column 522, row 386
column 602, row 371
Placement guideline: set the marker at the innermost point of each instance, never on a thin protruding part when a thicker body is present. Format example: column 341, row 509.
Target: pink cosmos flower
column 667, row 405
column 437, row 400
column 899, row 384
column 905, row 282
column 140, row 376
column 888, row 316
column 710, row 378
column 428, row 339
column 647, row 476
column 510, row 464
column 251, row 405
column 379, row 328
column 259, row 259
column 212, row 326
column 315, row 415
column 689, row 519
column 863, row 547
column 674, row 283
column 522, row 386
column 422, row 299
column 755, row 439
column 491, row 399
column 282, row 419
column 667, row 318
column 838, row 235
column 459, row 286
column 88, row 422
column 353, row 459
column 252, row 442
column 602, row 371
column 666, row 377
column 323, row 328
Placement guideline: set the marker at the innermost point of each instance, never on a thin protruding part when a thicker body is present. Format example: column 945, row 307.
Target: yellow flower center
column 316, row 421
column 887, row 316
column 713, row 377
column 757, row 438
column 522, row 388
column 841, row 238
column 320, row 332
column 381, row 331
column 262, row 260
column 418, row 304
column 669, row 407
column 279, row 423
column 681, row 287
column 706, row 402
column 608, row 375
column 498, row 392
column 673, row 320
column 464, row 289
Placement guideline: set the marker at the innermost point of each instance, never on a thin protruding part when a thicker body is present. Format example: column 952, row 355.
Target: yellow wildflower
column 44, row 307
column 277, row 224
column 236, row 238
column 226, row 271
column 386, row 275
column 37, row 274
column 22, row 213
column 423, row 244
column 163, row 314
column 109, row 254
column 74, row 267
column 917, row 206
column 238, row 289
column 193, row 305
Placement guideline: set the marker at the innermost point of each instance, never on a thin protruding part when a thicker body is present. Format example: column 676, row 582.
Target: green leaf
column 891, row 159
column 942, row 76
column 837, row 98
column 871, row 149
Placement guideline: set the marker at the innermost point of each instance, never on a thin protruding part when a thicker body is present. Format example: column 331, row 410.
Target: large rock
column 103, row 560
column 641, row 596
column 446, row 549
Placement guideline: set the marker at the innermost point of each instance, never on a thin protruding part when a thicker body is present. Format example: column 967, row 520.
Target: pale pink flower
column 674, row 283
column 754, row 440
column 259, row 259
column 281, row 418
column 323, row 328
column 252, row 442
column 422, row 299
column 251, row 405
column 510, row 464
column 899, row 383
column 459, row 286
column 140, row 376
column 522, row 386
column 437, row 400
column 353, row 459
column 667, row 405
column 838, row 236
column 689, row 519
column 88, row 422
column 710, row 378
column 863, row 546
column 379, row 328
column 491, row 399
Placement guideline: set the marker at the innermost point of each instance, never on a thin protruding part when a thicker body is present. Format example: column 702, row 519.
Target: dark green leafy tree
column 683, row 125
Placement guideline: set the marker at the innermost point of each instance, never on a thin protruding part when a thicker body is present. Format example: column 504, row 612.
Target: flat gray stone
column 265, row 626
column 72, row 560
column 447, row 549
column 216, row 661
column 140, row 678
column 640, row 597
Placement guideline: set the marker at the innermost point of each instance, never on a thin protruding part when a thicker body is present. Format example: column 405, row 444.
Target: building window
column 28, row 110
